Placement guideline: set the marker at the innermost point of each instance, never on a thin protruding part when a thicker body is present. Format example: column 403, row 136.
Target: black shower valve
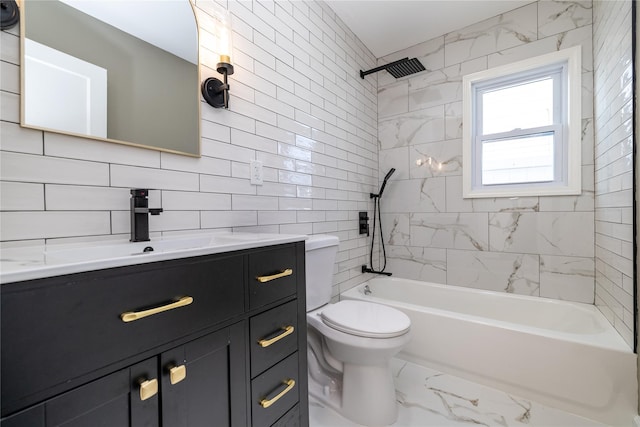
column 363, row 222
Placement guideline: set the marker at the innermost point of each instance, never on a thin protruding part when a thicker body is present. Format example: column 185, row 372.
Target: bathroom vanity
column 183, row 338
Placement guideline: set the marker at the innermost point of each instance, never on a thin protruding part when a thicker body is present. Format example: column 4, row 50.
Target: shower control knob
column 363, row 222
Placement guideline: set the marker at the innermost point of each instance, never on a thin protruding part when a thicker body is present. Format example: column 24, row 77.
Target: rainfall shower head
column 400, row 68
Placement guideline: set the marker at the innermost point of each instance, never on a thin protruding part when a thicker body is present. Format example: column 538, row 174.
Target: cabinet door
column 203, row 381
column 75, row 326
column 114, row 400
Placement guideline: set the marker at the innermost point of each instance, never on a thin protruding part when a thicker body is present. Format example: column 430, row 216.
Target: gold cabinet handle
column 148, row 389
column 265, row 403
column 130, row 316
column 177, row 374
column 287, row 330
column 284, row 273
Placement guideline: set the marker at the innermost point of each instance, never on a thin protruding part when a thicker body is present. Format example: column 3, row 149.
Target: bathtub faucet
column 367, row 290
column 365, row 269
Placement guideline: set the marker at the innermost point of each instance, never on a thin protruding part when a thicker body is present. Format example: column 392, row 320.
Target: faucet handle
column 155, row 211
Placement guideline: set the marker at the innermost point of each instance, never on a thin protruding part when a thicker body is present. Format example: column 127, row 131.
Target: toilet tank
column 321, row 250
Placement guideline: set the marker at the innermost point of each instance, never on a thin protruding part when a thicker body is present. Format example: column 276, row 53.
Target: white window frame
column 567, row 131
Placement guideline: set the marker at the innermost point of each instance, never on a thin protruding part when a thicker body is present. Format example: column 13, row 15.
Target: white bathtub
column 561, row 354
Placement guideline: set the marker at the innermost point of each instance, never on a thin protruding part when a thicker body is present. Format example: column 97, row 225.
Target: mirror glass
column 125, row 72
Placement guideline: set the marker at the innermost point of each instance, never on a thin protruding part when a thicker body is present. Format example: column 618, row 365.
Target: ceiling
column 386, row 26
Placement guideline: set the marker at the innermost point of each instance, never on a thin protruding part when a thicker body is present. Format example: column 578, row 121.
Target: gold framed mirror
column 123, row 72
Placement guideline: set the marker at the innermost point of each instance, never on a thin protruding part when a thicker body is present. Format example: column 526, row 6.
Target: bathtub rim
column 608, row 339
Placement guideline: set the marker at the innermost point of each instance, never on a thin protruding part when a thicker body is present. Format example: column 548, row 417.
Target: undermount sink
column 155, row 246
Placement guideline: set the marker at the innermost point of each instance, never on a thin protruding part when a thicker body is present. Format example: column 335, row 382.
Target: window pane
column 521, row 106
column 518, row 160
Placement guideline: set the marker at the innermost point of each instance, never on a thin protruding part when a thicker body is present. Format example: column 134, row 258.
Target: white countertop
column 35, row 262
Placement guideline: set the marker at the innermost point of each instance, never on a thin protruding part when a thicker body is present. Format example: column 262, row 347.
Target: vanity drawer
column 275, row 392
column 290, row 419
column 274, row 336
column 272, row 275
column 69, row 326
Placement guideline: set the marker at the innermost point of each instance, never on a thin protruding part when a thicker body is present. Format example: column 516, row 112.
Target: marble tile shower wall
column 298, row 105
column 540, row 246
column 613, row 113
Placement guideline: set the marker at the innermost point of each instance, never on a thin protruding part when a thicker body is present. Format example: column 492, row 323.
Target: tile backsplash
column 297, row 104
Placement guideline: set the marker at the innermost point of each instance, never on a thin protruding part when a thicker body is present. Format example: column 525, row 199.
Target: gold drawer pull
column 265, row 403
column 177, row 374
column 287, row 272
column 148, row 389
column 287, row 330
column 130, row 316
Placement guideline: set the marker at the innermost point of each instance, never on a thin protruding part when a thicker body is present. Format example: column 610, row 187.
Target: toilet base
column 367, row 395
column 351, row 374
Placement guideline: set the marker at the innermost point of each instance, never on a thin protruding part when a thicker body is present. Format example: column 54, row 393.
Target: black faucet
column 139, row 215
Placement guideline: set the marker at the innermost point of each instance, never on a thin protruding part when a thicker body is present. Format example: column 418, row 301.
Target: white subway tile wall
column 539, row 246
column 298, row 105
column 325, row 136
column 613, row 122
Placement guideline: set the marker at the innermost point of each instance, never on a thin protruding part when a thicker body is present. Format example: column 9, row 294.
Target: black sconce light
column 215, row 92
column 9, row 14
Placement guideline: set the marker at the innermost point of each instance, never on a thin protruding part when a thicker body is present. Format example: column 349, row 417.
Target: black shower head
column 400, row 68
column 384, row 182
column 405, row 67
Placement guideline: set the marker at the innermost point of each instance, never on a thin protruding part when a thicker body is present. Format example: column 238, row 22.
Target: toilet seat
column 366, row 319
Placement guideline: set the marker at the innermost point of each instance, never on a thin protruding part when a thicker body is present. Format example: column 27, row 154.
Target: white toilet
column 350, row 344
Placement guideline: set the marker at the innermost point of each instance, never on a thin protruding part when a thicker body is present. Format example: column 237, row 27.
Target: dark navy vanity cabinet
column 214, row 340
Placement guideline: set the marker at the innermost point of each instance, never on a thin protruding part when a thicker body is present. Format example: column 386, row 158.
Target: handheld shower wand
column 376, row 207
column 384, row 184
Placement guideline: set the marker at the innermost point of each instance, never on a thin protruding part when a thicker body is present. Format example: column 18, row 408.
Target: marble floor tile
column 430, row 398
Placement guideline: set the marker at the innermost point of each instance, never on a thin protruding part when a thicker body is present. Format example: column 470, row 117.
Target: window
column 522, row 128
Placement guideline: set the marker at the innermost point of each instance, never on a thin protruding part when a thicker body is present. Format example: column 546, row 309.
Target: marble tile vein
column 457, row 230
column 570, row 271
column 459, row 404
column 495, row 34
column 425, row 195
column 559, row 40
column 512, row 228
column 557, row 16
column 411, row 129
column 440, row 391
column 517, row 264
column 396, row 235
column 455, row 417
column 525, row 417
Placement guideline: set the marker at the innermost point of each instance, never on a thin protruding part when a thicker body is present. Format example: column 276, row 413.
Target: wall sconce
column 214, row 91
column 9, row 14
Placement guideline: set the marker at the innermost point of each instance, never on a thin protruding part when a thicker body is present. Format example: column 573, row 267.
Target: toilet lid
column 366, row 319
